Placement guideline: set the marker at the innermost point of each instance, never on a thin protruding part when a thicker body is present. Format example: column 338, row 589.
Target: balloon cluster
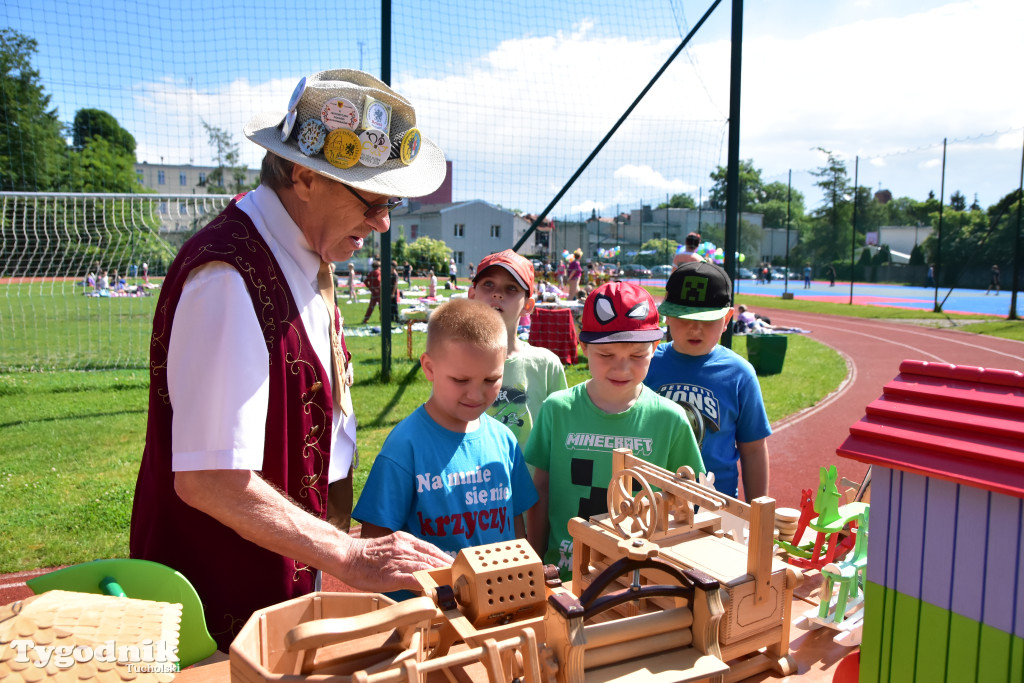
column 609, row 253
column 566, row 256
column 710, row 252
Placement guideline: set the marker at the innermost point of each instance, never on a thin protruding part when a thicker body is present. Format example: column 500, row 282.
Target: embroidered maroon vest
column 235, row 577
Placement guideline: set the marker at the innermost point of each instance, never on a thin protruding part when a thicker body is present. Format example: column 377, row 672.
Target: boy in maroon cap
column 504, row 281
column 576, row 430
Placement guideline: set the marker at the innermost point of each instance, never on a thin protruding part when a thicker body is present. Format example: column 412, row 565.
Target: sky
column 518, row 94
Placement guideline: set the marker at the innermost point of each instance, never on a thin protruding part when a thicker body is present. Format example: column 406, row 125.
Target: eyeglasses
column 373, row 209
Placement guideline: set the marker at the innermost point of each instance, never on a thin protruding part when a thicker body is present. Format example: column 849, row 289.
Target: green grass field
column 70, row 441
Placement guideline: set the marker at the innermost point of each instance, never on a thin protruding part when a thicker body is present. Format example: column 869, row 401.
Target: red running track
column 802, row 443
column 873, row 349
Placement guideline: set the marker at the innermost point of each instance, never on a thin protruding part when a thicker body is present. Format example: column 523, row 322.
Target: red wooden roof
column 959, row 423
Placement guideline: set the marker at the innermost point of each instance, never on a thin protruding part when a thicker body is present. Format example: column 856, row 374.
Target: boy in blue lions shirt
column 449, row 473
column 717, row 386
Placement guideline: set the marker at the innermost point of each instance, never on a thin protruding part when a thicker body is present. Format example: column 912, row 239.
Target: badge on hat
column 339, row 113
column 376, row 147
column 312, row 136
column 342, row 148
column 288, row 124
column 410, row 146
column 376, row 115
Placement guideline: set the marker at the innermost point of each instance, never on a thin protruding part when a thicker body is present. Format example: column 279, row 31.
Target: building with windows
column 471, row 229
column 181, row 178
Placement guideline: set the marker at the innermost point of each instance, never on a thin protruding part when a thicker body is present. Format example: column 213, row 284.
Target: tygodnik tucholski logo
column 146, row 656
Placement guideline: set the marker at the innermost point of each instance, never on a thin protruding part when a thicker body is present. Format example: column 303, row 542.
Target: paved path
column 873, row 350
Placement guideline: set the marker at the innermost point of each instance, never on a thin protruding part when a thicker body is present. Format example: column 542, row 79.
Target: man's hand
column 387, row 563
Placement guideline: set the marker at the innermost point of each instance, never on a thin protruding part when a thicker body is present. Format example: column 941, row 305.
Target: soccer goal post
column 80, row 274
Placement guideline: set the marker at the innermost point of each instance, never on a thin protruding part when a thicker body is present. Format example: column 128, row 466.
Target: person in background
column 472, row 270
column 689, row 253
column 574, row 273
column 372, row 284
column 807, row 276
column 453, row 271
column 245, row 484
column 432, row 287
column 407, row 273
column 994, row 282
column 717, row 387
column 505, row 282
column 351, row 282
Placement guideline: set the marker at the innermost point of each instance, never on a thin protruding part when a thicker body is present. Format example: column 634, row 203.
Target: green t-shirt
column 573, row 439
column 531, row 376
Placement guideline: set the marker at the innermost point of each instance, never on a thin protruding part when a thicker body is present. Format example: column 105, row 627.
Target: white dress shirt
column 217, row 364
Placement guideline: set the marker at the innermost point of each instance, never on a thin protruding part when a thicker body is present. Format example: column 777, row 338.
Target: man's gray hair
column 276, row 172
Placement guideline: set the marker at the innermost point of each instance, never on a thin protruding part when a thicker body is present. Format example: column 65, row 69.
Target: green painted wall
column 907, row 639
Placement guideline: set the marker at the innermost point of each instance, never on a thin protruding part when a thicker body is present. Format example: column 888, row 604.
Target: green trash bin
column 766, row 352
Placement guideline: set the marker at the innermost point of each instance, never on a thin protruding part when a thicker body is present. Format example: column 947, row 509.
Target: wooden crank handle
column 321, row 632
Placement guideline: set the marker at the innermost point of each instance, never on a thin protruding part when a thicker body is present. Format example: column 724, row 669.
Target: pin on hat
column 517, row 266
column 697, row 291
column 620, row 312
column 359, row 103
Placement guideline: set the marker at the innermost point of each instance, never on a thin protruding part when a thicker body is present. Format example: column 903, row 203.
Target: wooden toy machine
column 662, row 596
column 757, row 588
column 492, row 616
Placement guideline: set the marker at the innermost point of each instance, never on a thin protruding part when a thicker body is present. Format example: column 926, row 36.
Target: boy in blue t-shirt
column 449, row 473
column 717, row 386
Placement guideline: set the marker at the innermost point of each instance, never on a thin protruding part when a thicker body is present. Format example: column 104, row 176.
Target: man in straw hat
column 245, row 485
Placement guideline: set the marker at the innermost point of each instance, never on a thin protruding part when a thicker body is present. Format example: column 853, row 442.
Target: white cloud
column 645, row 176
column 587, row 206
column 518, row 121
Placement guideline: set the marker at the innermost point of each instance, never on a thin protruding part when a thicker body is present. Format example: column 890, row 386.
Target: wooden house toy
column 945, row 575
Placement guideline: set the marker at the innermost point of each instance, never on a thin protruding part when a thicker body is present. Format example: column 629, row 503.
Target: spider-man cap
column 620, row 312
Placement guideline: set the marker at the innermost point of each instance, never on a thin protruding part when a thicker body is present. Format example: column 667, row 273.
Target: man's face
column 333, row 219
column 498, row 289
column 696, row 337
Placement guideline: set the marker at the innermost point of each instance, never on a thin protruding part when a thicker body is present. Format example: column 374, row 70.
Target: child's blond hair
column 469, row 321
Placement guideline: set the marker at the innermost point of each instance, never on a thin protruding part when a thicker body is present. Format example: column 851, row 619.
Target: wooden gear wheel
column 639, row 510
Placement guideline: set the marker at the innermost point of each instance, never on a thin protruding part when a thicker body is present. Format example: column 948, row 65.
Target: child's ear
column 471, row 294
column 528, row 305
column 428, row 367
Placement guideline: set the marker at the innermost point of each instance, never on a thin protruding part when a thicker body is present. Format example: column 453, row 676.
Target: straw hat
column 333, row 125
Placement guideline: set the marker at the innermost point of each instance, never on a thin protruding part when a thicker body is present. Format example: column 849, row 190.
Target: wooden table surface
column 816, row 655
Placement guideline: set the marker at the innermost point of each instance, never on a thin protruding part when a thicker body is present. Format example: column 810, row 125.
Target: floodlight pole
column 937, row 308
column 853, row 232
column 732, row 177
column 789, row 197
column 385, row 238
column 1015, row 278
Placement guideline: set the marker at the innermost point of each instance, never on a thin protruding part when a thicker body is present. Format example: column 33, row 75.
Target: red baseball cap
column 518, row 266
column 620, row 312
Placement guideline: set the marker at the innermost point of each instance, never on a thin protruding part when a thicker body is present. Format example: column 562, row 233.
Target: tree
column 228, row 176
column 775, row 204
column 98, row 123
column 751, row 186
column 679, row 201
column 32, row 147
column 957, row 201
column 832, row 220
column 426, row 252
column 102, row 158
column 663, row 251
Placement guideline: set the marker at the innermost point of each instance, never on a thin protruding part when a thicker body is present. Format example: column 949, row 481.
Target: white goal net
column 79, row 274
